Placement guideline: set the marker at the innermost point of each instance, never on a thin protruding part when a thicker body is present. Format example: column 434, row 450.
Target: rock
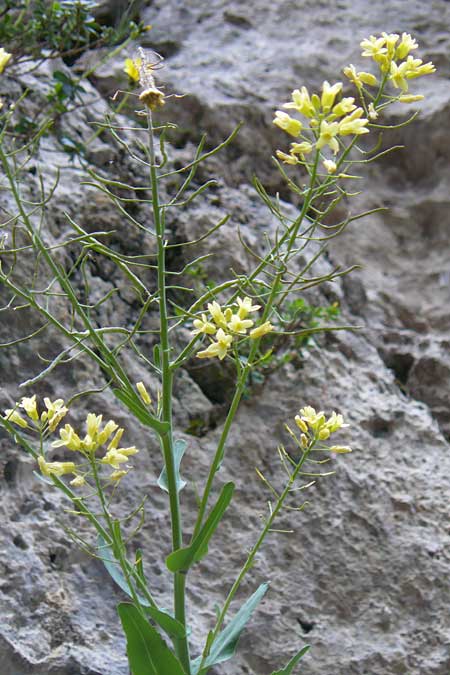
column 362, row 578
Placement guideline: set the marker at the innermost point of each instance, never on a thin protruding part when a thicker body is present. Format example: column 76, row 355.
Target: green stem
column 251, row 556
column 181, row 644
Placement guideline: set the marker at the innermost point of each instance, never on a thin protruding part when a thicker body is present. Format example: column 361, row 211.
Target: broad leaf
column 171, row 626
column 183, row 558
column 292, row 663
column 226, row 642
column 179, row 448
column 147, row 652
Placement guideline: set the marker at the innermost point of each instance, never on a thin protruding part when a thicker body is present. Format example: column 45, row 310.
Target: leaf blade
column 179, row 448
column 226, row 642
column 287, row 670
column 183, row 558
column 147, row 652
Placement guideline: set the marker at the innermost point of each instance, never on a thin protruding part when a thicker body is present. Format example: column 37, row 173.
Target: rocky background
column 364, row 578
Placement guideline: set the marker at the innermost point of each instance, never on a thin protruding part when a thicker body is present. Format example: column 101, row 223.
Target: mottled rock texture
column 364, row 578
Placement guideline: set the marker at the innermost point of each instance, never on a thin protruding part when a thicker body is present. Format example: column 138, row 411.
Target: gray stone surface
column 364, row 579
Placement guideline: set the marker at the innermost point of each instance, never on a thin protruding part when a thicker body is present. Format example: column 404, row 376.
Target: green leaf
column 171, row 626
column 226, row 642
column 147, row 652
column 134, row 404
column 179, row 448
column 183, row 558
column 113, row 568
column 293, row 662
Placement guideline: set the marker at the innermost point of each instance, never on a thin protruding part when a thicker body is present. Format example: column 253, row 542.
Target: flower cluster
column 392, row 54
column 329, row 118
column 315, row 427
column 96, row 435
column 49, row 418
column 224, row 325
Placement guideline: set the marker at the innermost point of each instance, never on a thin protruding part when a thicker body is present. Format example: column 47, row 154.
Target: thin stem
column 251, row 556
column 181, row 644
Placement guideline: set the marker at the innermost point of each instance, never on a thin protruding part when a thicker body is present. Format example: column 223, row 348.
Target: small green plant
column 244, row 322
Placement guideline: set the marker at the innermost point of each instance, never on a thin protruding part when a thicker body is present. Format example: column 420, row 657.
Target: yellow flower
column 329, row 93
column 315, row 420
column 410, row 98
column 360, row 78
column 56, row 410
column 114, row 458
column 219, row 348
column 287, row 159
column 301, row 149
column 372, row 112
column 68, row 438
column 287, row 123
column 335, row 422
column 78, row 481
column 4, row 59
column 203, row 326
column 329, row 165
column 352, row 124
column 406, row 45
column 238, row 325
column 117, row 475
column 29, row 405
column 116, row 439
column 340, row 449
column 145, row 396
column 323, row 434
column 345, row 106
column 55, row 468
column 301, row 102
column 328, row 133
column 391, row 40
column 261, row 330
column 132, row 67
column 106, row 432
column 93, row 423
column 13, row 416
column 217, row 314
column 301, row 424
column 246, row 307
column 374, row 47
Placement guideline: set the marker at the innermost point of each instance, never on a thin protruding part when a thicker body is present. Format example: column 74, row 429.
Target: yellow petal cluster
column 223, row 326
column 51, row 417
column 329, row 116
column 392, row 55
column 316, row 427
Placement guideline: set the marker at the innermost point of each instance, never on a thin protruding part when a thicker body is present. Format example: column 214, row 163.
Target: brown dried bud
column 152, row 97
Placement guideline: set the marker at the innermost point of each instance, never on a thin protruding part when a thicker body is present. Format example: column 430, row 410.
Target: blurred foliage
column 39, row 29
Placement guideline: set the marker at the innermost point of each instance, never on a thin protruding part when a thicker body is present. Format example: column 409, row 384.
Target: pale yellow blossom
column 329, row 93
column 340, row 449
column 287, row 159
column 219, row 348
column 303, row 148
column 55, row 468
column 406, row 45
column 145, row 396
column 15, row 417
column 78, row 481
column 329, row 165
column 4, row 59
column 353, row 124
column 261, row 330
column 292, row 126
column 301, row 102
column 30, row 407
column 246, row 307
column 238, row 325
column 328, row 133
column 203, row 326
column 68, row 438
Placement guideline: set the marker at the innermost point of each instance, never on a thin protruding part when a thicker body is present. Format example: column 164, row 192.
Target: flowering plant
column 229, row 322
